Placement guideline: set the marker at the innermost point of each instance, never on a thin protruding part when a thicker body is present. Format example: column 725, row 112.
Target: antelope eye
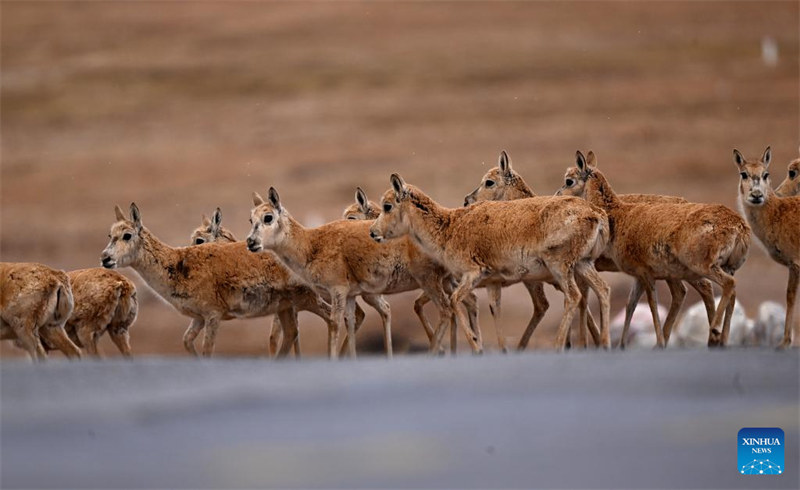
column 569, row 182
column 792, row 174
column 489, row 183
column 765, row 176
column 351, row 217
column 127, row 236
column 267, row 219
column 199, row 241
column 744, row 175
column 387, row 208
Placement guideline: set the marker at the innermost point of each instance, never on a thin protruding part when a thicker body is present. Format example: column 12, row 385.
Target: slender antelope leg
column 87, row 337
column 706, row 292
column 191, row 333
column 583, row 308
column 540, row 306
column 587, row 272
column 630, row 308
column 419, row 304
column 678, row 292
column 58, row 338
column 211, row 328
column 728, row 284
column 649, row 288
column 380, row 305
column 726, row 323
column 288, row 317
column 791, row 297
column 121, row 339
column 465, row 286
column 494, row 292
column 564, row 276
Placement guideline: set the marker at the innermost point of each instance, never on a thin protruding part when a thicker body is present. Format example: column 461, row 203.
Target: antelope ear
column 591, row 160
column 136, row 217
column 580, row 161
column 274, row 199
column 398, row 185
column 361, row 198
column 766, row 158
column 206, row 222
column 738, row 159
column 257, row 199
column 119, row 214
column 505, row 164
column 216, row 220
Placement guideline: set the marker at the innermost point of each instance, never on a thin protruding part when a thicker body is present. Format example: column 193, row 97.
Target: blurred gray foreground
column 591, row 419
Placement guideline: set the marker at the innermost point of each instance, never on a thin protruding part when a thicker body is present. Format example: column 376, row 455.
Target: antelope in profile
column 35, row 303
column 364, row 209
column 539, row 238
column 502, row 183
column 105, row 301
column 670, row 241
column 791, row 184
column 341, row 259
column 211, row 283
column 575, row 186
column 775, row 221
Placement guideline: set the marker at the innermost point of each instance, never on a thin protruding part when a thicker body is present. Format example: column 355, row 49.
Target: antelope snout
column 252, row 245
column 107, row 261
column 756, row 197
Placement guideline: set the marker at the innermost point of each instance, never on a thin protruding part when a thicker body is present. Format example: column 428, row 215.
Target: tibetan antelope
column 211, row 283
column 35, row 303
column 364, row 209
column 105, row 300
column 670, row 241
column 341, row 259
column 502, row 183
column 775, row 221
column 539, row 238
column 574, row 186
column 791, row 184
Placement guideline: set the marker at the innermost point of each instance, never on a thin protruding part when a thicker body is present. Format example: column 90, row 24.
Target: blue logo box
column 761, row 451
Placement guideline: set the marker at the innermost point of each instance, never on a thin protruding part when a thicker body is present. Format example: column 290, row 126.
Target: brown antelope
column 105, row 300
column 539, row 238
column 211, row 230
column 791, row 184
column 341, row 259
column 775, row 221
column 502, row 183
column 35, row 302
column 574, row 186
column 364, row 209
column 211, row 283
column 670, row 241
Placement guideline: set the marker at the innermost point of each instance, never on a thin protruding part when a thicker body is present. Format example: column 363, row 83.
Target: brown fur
column 210, row 283
column 791, row 184
column 341, row 259
column 105, row 300
column 539, row 239
column 775, row 221
column 671, row 241
column 35, row 302
column 364, row 209
column 575, row 186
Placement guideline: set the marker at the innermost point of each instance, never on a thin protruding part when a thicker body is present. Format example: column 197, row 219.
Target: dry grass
column 186, row 106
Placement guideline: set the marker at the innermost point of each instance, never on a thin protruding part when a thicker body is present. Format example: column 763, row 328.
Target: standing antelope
column 539, row 238
column 341, row 259
column 791, row 184
column 211, row 283
column 575, row 186
column 775, row 221
column 35, row 302
column 364, row 209
column 670, row 241
column 105, row 300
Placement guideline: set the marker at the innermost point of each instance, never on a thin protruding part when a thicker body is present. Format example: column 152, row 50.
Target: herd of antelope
column 503, row 235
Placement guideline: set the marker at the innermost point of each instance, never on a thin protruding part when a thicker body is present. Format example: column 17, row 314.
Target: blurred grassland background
column 185, row 106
